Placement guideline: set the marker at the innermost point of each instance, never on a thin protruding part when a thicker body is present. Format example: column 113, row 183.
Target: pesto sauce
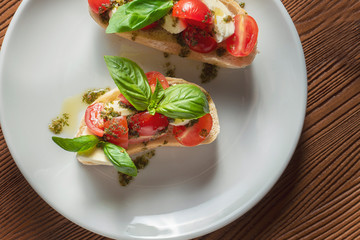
column 133, row 36
column 184, row 52
column 108, row 113
column 91, row 95
column 208, row 72
column 57, row 125
column 140, row 162
column 169, row 70
column 220, row 51
column 227, row 19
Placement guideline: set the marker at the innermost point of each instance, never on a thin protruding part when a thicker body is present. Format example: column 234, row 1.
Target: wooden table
column 318, row 195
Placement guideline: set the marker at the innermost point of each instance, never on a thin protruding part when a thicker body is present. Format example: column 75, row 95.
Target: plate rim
column 215, row 225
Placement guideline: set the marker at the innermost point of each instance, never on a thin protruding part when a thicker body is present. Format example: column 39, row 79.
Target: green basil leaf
column 131, row 81
column 120, row 159
column 184, row 101
column 138, row 14
column 156, row 97
column 78, row 144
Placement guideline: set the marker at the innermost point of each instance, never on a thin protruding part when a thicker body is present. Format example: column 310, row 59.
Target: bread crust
column 162, row 40
column 165, row 140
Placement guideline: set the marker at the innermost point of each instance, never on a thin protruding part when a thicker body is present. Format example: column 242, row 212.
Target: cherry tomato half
column 199, row 40
column 93, row 119
column 151, row 77
column 116, row 131
column 243, row 41
column 145, row 124
column 195, row 134
column 193, row 10
column 99, row 6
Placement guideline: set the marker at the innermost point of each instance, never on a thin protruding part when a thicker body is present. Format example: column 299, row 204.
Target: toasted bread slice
column 97, row 157
column 162, row 40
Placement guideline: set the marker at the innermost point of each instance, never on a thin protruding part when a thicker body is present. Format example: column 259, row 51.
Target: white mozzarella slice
column 173, row 25
column 223, row 28
column 95, row 157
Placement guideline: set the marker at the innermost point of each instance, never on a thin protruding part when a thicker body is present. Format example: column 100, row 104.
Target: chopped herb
column 133, row 134
column 133, row 36
column 109, row 113
column 242, row 5
column 203, row 133
column 169, row 70
column 91, row 95
column 166, row 55
column 220, row 51
column 115, row 130
column 130, row 107
column 180, row 40
column 165, row 142
column 228, row 19
column 57, row 124
column 140, row 162
column 208, row 73
column 184, row 52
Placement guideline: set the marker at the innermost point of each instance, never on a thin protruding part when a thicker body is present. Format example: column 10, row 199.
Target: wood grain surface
column 318, row 195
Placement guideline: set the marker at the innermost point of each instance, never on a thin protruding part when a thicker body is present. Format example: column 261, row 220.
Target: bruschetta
column 218, row 32
column 145, row 111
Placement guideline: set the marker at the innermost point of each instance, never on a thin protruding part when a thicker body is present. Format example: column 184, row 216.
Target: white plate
column 53, row 50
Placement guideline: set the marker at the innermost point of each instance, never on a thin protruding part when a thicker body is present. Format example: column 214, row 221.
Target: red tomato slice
column 243, row 41
column 99, row 6
column 199, row 40
column 145, row 124
column 195, row 134
column 193, row 10
column 93, row 119
column 151, row 77
column 116, row 131
column 151, row 25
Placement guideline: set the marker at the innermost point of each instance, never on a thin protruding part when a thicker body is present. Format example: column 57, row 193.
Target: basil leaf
column 120, row 159
column 183, row 101
column 79, row 144
column 131, row 81
column 156, row 97
column 138, row 14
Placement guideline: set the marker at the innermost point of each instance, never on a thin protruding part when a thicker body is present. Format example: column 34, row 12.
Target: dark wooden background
column 318, row 195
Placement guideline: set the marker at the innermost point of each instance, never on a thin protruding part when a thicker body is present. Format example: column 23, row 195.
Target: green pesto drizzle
column 57, row 125
column 140, row 162
column 91, row 95
column 208, row 72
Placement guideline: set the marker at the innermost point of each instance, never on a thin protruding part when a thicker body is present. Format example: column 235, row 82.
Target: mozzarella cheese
column 173, row 25
column 96, row 157
column 223, row 28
